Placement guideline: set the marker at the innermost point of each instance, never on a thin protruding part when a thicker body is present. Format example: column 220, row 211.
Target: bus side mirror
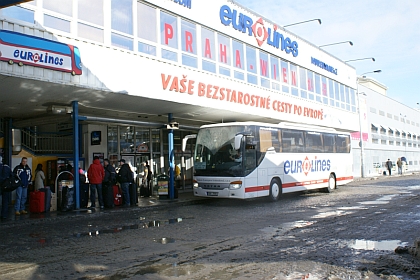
column 238, row 141
column 185, row 140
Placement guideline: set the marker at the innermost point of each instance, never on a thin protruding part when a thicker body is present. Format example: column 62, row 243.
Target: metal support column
column 76, row 151
column 8, row 142
column 171, row 159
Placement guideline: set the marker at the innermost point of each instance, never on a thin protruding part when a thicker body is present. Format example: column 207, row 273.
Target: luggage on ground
column 67, row 199
column 108, row 195
column 47, row 194
column 117, row 195
column 134, row 197
column 37, row 202
column 144, row 191
column 84, row 195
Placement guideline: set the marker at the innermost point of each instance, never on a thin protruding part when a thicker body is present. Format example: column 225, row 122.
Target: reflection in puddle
column 134, row 226
column 383, row 200
column 330, row 214
column 385, row 245
column 164, row 240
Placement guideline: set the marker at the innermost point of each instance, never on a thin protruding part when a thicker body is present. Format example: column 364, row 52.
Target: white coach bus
column 248, row 159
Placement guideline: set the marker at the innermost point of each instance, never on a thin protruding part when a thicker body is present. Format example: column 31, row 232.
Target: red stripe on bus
column 295, row 184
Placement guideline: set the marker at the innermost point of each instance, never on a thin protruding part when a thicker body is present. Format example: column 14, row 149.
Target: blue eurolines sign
column 323, row 65
column 245, row 24
column 185, row 3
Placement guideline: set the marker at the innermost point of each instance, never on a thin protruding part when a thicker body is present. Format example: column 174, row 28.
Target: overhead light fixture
column 55, row 109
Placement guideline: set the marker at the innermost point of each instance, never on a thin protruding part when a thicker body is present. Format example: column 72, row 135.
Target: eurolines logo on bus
column 306, row 166
column 245, row 24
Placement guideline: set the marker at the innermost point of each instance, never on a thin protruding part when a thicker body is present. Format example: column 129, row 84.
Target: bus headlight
column 195, row 184
column 235, row 185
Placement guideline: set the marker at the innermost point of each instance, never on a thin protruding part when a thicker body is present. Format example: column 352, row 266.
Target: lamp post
column 316, row 19
column 371, row 58
column 350, row 42
column 362, row 152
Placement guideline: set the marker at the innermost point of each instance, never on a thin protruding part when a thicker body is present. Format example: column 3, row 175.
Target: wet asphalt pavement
column 349, row 234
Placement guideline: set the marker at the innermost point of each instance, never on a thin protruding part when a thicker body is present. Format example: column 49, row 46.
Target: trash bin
column 163, row 186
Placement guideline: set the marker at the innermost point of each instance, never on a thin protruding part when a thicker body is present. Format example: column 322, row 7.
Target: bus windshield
column 215, row 153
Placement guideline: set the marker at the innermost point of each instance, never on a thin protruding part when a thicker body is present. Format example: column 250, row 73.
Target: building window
column 147, row 49
column 90, row 32
column 64, row 7
column 85, row 13
column 57, row 23
column 168, row 30
column 18, row 13
column 122, row 41
column 251, row 60
column 146, row 22
column 238, row 55
column 224, row 49
column 122, row 16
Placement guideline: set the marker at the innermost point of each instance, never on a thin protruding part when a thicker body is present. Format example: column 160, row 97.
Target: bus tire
column 331, row 184
column 275, row 189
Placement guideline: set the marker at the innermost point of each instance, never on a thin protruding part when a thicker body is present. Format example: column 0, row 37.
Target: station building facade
column 132, row 67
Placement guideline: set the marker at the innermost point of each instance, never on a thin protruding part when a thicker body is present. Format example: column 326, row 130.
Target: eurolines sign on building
column 245, row 24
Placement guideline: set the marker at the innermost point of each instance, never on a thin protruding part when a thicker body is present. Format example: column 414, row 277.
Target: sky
column 387, row 30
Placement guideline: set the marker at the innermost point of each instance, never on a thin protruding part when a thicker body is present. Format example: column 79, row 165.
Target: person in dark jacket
column 5, row 172
column 125, row 177
column 389, row 166
column 96, row 174
column 110, row 173
column 25, row 175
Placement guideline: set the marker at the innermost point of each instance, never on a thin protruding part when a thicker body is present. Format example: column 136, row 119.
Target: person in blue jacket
column 25, row 175
column 5, row 172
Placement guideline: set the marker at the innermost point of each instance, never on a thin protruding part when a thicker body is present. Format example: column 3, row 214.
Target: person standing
column 5, row 172
column 147, row 177
column 388, row 165
column 399, row 164
column 96, row 174
column 125, row 177
column 24, row 173
column 39, row 177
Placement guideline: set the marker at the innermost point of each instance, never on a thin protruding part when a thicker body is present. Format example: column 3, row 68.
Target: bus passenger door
column 250, row 172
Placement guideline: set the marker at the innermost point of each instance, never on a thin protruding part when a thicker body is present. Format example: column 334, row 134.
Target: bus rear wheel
column 331, row 184
column 275, row 189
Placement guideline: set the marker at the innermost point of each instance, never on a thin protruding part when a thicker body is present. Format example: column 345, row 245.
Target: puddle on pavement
column 382, row 200
column 149, row 224
column 384, row 245
column 171, row 270
column 417, row 187
column 164, row 240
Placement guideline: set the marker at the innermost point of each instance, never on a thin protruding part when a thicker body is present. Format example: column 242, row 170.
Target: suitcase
column 84, row 195
column 134, row 196
column 117, row 195
column 67, row 199
column 47, row 193
column 37, row 202
column 108, row 195
column 144, row 192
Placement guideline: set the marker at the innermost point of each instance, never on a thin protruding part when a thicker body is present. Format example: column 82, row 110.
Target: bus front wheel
column 275, row 189
column 331, row 184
